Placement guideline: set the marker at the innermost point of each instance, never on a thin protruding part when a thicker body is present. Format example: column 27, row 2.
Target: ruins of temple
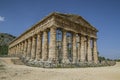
column 58, row 38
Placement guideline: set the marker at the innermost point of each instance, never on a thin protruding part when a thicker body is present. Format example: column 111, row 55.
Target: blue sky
column 16, row 16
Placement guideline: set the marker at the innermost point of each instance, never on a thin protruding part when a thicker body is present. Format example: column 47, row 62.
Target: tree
column 4, row 50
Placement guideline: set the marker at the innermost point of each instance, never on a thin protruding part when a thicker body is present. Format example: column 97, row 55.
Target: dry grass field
column 10, row 71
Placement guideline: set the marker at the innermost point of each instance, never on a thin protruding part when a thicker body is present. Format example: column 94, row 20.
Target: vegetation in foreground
column 4, row 41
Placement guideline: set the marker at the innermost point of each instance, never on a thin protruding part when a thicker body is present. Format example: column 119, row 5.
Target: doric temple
column 58, row 38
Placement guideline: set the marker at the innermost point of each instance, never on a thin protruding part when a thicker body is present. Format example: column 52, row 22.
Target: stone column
column 95, row 54
column 79, row 48
column 89, row 52
column 9, row 51
column 19, row 50
column 13, row 51
column 39, row 46
column 33, row 50
column 85, row 48
column 74, row 49
column 16, row 50
column 82, row 49
column 65, row 53
column 25, row 48
column 22, row 49
column 52, row 47
column 29, row 49
column 45, row 46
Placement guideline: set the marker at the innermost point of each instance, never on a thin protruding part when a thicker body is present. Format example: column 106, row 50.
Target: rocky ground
column 10, row 71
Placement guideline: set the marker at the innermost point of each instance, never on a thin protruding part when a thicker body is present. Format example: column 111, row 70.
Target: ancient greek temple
column 59, row 38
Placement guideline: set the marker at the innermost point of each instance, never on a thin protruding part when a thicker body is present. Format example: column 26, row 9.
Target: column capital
column 53, row 28
column 95, row 39
column 63, row 30
column 39, row 33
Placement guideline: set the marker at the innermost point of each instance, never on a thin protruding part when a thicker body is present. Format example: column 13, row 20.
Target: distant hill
column 5, row 38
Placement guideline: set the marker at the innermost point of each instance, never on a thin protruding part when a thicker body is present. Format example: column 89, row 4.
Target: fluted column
column 52, row 47
column 13, row 50
column 45, row 46
column 79, row 48
column 65, row 53
column 89, row 52
column 85, row 48
column 19, row 50
column 25, row 48
column 16, row 50
column 95, row 54
column 74, row 48
column 29, row 49
column 22, row 48
column 39, row 46
column 82, row 49
column 33, row 50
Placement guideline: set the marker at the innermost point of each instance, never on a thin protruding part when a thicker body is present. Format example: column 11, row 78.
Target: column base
column 96, row 62
column 31, row 60
column 52, row 60
column 66, row 61
column 90, row 62
column 27, row 59
column 75, row 61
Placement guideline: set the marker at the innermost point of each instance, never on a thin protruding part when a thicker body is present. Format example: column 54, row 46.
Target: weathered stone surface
column 65, row 53
column 33, row 50
column 37, row 46
column 74, row 49
column 45, row 46
column 25, row 48
column 89, row 52
column 79, row 48
column 29, row 49
column 95, row 54
column 82, row 49
column 52, row 47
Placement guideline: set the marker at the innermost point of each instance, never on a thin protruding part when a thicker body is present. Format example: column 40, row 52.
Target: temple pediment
column 76, row 19
column 58, row 38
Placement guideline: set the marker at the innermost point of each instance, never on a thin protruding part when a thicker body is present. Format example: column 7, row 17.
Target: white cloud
column 2, row 18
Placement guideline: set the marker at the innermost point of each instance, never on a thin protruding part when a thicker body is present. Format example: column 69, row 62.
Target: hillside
column 5, row 38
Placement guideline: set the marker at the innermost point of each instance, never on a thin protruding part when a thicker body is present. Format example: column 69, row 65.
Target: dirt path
column 22, row 72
